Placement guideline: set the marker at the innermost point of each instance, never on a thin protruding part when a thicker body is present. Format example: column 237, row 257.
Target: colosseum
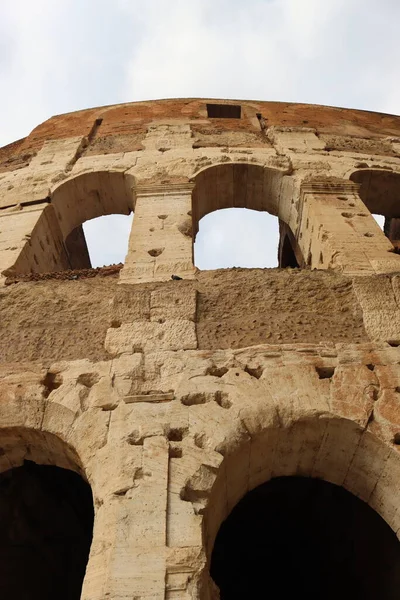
column 168, row 433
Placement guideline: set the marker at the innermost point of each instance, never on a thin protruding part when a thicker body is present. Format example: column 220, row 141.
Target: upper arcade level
column 322, row 171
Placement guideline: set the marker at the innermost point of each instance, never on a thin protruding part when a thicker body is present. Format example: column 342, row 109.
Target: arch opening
column 46, row 523
column 237, row 237
column 58, row 243
column 380, row 192
column 303, row 537
column 235, row 234
column 113, row 228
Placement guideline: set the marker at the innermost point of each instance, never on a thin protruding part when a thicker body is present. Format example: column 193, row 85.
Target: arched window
column 58, row 242
column 46, row 521
column 235, row 213
column 237, row 237
column 380, row 192
column 113, row 228
column 46, row 518
column 295, row 537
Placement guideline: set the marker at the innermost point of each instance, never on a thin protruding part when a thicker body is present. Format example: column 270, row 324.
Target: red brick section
column 12, row 157
column 133, row 118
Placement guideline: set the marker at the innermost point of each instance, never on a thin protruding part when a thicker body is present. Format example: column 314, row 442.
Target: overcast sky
column 57, row 56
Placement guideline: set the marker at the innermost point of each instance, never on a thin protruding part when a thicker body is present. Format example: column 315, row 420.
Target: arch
column 92, row 195
column 57, row 241
column 46, row 517
column 303, row 537
column 324, row 446
column 235, row 185
column 243, row 185
column 379, row 190
column 259, row 446
column 21, row 443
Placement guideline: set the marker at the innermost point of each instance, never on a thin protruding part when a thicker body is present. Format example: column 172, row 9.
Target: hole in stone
column 135, row 438
column 88, row 379
column 156, row 251
column 295, row 537
column 254, row 372
column 162, row 217
column 115, row 324
column 397, row 389
column 185, row 227
column 347, row 215
column 396, row 439
column 194, row 398
column 325, row 372
column 176, row 434
column 368, row 235
column 394, row 343
column 221, row 398
column 51, row 382
column 370, row 366
column 200, row 440
column 217, row 371
column 175, row 451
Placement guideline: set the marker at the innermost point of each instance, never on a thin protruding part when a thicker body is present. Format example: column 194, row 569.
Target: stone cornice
column 170, row 189
column 329, row 187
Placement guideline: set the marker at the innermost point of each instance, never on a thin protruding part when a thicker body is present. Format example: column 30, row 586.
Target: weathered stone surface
column 175, row 392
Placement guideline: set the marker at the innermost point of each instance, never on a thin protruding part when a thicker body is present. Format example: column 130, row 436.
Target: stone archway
column 319, row 446
column 236, row 185
column 244, row 186
column 380, row 192
column 46, row 517
column 56, row 241
column 302, row 537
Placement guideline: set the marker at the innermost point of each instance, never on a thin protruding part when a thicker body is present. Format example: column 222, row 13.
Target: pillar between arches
column 160, row 244
column 338, row 231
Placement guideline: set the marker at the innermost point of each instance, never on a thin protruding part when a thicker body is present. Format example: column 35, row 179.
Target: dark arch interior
column 287, row 256
column 46, row 522
column 295, row 537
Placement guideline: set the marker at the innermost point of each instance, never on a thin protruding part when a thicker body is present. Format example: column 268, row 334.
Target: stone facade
column 174, row 398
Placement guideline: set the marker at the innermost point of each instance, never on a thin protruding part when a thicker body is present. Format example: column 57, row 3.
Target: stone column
column 160, row 243
column 138, row 562
column 128, row 554
column 337, row 231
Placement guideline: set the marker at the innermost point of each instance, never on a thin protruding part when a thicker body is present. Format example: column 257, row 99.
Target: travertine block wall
column 175, row 398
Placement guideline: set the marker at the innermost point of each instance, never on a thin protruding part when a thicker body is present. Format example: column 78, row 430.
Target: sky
column 57, row 56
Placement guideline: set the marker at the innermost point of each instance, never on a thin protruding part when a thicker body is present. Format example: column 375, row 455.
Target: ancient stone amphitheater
column 231, row 433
